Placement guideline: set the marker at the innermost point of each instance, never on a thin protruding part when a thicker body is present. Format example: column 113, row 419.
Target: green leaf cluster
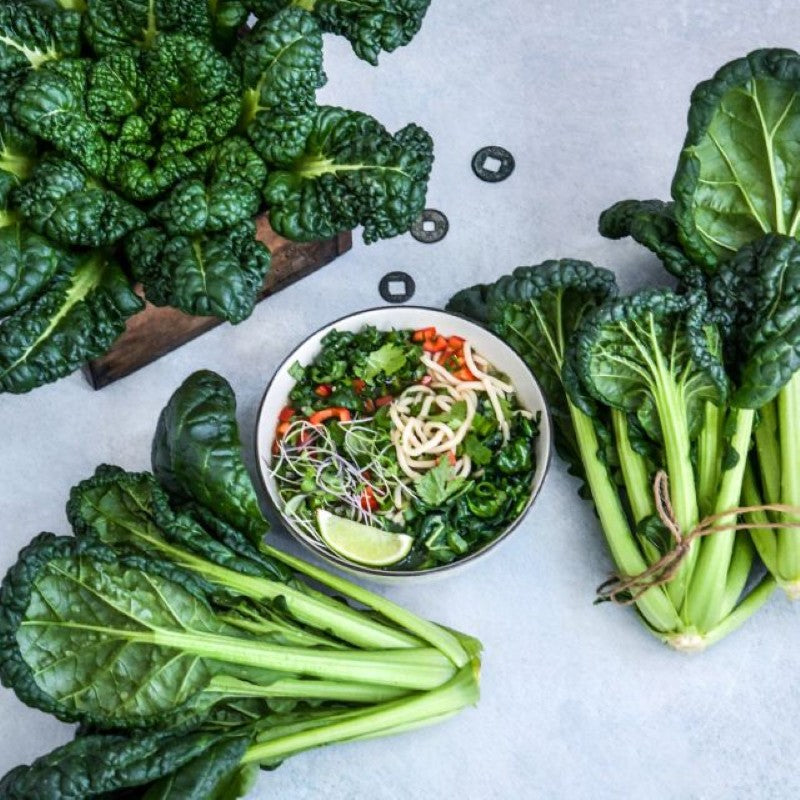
column 149, row 134
column 701, row 383
column 731, row 230
column 191, row 652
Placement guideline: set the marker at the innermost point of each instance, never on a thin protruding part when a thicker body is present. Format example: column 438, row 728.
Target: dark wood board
column 155, row 331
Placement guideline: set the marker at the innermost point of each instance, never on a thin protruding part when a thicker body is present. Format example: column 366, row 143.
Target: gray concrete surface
column 578, row 701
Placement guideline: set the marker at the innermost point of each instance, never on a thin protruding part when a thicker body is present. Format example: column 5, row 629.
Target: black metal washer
column 441, row 225
column 397, row 277
column 502, row 155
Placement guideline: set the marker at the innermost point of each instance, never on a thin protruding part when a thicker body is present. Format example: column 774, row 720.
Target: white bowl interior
column 494, row 349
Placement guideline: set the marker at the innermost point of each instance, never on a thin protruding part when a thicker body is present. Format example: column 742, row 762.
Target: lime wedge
column 362, row 544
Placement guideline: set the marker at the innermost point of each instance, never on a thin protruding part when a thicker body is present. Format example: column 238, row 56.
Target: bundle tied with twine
column 627, row 589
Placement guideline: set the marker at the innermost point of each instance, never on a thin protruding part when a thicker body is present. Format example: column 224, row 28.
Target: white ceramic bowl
column 490, row 346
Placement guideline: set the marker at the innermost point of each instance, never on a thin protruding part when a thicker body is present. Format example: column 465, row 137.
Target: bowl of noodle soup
column 411, row 420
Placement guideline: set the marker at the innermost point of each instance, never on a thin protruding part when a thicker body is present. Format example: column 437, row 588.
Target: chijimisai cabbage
column 639, row 387
column 191, row 652
column 151, row 134
column 733, row 226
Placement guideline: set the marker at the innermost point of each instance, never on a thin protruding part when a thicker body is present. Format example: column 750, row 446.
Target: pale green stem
column 683, row 493
column 654, row 605
column 294, row 636
column 789, row 424
column 739, row 572
column 705, row 600
column 424, row 668
column 769, row 452
column 742, row 612
column 709, row 457
column 340, row 691
column 460, row 692
column 765, row 539
column 323, row 613
column 635, row 473
column 435, row 635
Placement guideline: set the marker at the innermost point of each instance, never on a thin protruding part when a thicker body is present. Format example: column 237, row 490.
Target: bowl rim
column 373, row 572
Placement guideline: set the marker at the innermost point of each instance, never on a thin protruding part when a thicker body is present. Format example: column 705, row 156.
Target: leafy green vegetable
column 536, row 309
column 738, row 173
column 228, row 196
column 218, row 274
column 166, row 640
column 641, row 384
column 205, row 656
column 477, row 450
column 760, row 290
column 438, row 485
column 216, row 774
column 197, row 453
column 652, row 224
column 115, row 24
column 352, row 172
column 51, row 105
column 370, row 25
column 61, row 201
column 389, row 360
column 731, row 232
column 78, row 317
column 92, row 765
column 29, row 38
column 27, row 263
column 281, row 70
column 147, row 129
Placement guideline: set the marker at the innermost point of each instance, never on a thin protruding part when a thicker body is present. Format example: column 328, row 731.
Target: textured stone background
column 578, row 701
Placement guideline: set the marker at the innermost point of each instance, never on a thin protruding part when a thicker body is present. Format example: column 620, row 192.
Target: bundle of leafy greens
column 732, row 227
column 638, row 387
column 139, row 141
column 701, row 383
column 191, row 652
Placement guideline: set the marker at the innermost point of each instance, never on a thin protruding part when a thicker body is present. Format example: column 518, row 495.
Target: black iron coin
column 397, row 287
column 430, row 227
column 493, row 164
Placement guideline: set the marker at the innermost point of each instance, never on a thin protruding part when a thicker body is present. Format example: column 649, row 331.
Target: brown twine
column 627, row 589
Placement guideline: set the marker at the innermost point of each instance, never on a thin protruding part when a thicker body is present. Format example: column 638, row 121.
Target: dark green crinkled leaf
column 208, row 275
column 211, row 776
column 651, row 223
column 117, row 89
column 631, row 351
column 115, row 24
column 142, row 122
column 62, row 202
column 130, row 511
column 353, row 172
column 84, row 607
column 739, row 175
column 281, row 68
column 77, row 318
column 31, row 36
column 229, row 194
column 27, row 263
column 371, row 26
column 197, row 453
column 760, row 289
column 94, row 765
column 51, row 104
